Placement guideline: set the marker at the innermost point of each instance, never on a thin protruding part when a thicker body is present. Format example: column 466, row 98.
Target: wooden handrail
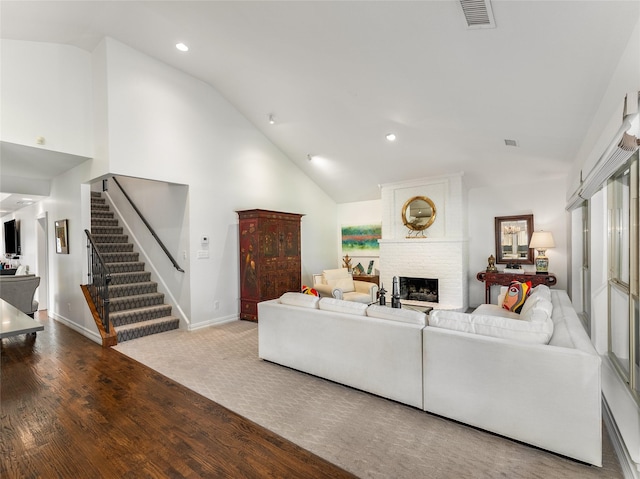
column 151, row 230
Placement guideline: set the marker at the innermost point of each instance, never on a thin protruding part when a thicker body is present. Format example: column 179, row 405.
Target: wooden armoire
column 269, row 257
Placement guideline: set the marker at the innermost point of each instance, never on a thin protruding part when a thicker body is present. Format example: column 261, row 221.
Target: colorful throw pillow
column 516, row 296
column 308, row 290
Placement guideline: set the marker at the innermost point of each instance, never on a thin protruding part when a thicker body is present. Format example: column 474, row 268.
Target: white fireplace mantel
column 443, row 254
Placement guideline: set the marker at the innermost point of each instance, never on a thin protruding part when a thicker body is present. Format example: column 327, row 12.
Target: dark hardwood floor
column 71, row 409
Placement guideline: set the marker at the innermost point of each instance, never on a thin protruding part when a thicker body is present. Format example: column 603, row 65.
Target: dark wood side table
column 504, row 279
column 369, row 278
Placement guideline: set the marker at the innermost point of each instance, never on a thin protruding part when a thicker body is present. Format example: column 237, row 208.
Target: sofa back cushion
column 397, row 314
column 542, row 290
column 339, row 278
column 300, row 299
column 341, row 306
column 538, row 331
column 536, row 308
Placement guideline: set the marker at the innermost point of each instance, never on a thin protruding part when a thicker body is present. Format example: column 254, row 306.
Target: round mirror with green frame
column 418, row 213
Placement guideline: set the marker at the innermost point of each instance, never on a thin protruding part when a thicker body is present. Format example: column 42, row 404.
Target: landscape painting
column 361, row 240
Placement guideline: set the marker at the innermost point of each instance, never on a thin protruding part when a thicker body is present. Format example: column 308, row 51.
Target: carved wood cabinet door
column 270, row 262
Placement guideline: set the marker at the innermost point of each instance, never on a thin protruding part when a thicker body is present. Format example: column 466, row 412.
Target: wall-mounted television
column 12, row 237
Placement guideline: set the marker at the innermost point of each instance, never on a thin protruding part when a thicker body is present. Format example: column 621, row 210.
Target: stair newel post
column 88, row 259
column 106, row 302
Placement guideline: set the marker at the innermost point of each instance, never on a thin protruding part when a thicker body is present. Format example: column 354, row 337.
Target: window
column 624, row 330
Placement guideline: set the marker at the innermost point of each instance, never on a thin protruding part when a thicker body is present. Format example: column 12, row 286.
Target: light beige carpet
column 370, row 436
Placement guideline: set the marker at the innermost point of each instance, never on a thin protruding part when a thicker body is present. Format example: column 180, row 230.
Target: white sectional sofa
column 547, row 395
column 339, row 342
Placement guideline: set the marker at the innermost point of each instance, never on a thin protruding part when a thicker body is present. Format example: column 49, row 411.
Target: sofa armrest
column 368, row 288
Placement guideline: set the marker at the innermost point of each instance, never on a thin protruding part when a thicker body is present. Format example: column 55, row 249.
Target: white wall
column 545, row 200
column 165, row 125
column 46, row 91
column 625, row 79
column 148, row 120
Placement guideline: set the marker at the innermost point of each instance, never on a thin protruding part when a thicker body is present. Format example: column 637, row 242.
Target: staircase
column 136, row 307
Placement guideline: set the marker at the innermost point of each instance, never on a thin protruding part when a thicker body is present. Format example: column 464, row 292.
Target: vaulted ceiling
column 337, row 76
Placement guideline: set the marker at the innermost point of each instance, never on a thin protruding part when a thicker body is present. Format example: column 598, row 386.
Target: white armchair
column 339, row 284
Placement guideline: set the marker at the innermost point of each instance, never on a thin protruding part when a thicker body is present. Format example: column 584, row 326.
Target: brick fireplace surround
column 443, row 254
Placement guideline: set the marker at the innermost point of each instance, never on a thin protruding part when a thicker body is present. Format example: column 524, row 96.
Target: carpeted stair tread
column 102, row 214
column 130, row 289
column 126, row 267
column 130, row 277
column 100, row 238
column 107, row 230
column 136, row 301
column 120, row 318
column 120, row 257
column 103, row 222
column 115, row 247
column 145, row 328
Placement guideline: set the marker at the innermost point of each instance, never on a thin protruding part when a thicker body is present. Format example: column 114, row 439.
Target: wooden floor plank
column 69, row 409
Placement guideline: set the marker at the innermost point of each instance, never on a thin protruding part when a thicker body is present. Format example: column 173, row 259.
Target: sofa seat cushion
column 341, row 306
column 495, row 310
column 397, row 314
column 300, row 299
column 538, row 332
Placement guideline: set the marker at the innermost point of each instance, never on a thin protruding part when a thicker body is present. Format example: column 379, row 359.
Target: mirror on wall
column 418, row 213
column 513, row 235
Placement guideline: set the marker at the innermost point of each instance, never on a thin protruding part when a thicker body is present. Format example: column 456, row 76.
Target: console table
column 369, row 278
column 504, row 279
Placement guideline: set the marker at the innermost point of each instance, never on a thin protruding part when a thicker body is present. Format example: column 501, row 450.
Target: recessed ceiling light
column 390, row 137
column 272, row 119
column 310, row 156
column 182, row 47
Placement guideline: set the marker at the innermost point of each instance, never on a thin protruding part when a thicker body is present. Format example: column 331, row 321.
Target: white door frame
column 42, row 260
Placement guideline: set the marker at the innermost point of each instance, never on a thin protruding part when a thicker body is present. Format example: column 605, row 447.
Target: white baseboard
column 629, row 467
column 213, row 322
column 92, row 335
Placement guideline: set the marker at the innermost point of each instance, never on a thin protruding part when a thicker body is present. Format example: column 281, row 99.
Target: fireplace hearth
column 419, row 289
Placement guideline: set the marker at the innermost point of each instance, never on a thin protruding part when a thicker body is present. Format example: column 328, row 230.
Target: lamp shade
column 542, row 240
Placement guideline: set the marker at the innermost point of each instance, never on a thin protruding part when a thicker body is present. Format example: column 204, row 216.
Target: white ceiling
column 339, row 75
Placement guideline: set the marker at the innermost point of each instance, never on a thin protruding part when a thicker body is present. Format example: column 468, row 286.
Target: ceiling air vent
column 478, row 13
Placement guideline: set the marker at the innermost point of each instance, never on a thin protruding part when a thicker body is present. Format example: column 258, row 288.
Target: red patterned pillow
column 516, row 296
column 308, row 290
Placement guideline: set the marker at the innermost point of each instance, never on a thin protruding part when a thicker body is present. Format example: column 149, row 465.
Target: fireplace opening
column 419, row 289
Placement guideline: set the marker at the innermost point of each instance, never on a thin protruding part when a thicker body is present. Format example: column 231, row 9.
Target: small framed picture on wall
column 62, row 241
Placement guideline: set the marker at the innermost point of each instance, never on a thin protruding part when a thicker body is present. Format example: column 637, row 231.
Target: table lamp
column 541, row 241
